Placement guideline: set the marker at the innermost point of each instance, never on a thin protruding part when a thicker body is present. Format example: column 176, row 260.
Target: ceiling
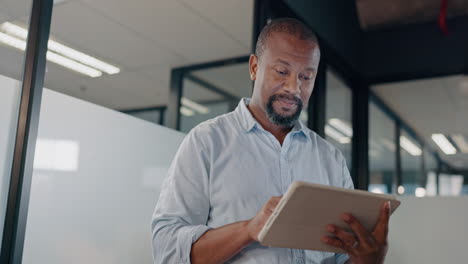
column 145, row 38
column 437, row 105
column 375, row 15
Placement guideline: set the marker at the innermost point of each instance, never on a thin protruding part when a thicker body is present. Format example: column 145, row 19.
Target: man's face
column 284, row 77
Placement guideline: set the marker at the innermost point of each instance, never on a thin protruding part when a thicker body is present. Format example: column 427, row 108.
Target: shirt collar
column 248, row 122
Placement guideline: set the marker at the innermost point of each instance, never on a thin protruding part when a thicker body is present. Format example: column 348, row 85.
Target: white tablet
column 302, row 215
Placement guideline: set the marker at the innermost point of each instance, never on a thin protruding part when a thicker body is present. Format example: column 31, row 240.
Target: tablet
column 302, row 215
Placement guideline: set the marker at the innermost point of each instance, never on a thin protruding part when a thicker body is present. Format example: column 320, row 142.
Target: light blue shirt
column 225, row 170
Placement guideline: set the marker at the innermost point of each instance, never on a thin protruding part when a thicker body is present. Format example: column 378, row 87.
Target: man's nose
column 293, row 85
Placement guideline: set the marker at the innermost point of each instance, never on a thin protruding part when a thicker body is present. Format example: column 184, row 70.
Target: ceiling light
column 186, row 112
column 401, row 189
column 72, row 65
column 409, row 146
column 461, row 142
column 83, row 58
column 195, row 106
column 377, row 189
column 444, row 144
column 63, row 50
column 420, row 192
column 341, row 126
column 51, row 56
column 337, row 136
column 12, row 42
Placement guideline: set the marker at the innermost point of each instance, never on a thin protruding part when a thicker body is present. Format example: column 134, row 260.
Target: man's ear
column 253, row 66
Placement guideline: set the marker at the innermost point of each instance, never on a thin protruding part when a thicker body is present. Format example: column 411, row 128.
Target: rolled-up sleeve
column 182, row 210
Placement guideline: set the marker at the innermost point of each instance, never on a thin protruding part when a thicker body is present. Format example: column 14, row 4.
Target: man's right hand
column 256, row 224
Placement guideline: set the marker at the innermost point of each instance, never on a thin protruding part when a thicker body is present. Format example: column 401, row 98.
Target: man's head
column 284, row 67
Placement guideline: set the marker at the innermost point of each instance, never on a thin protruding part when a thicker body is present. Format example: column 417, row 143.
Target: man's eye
column 282, row 72
column 305, row 77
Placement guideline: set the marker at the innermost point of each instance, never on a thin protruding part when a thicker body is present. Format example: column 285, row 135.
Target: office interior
column 96, row 97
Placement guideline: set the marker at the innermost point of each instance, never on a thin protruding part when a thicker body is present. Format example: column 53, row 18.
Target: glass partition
column 12, row 56
column 382, row 164
column 97, row 177
column 338, row 128
column 411, row 166
column 211, row 92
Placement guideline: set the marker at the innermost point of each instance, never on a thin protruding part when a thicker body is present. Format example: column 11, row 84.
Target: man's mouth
column 287, row 102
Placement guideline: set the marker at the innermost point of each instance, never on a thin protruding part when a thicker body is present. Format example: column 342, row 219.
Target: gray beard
column 277, row 118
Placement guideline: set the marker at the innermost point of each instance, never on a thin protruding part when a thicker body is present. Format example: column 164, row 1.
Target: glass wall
column 95, row 184
column 382, row 164
column 435, row 109
column 430, row 166
column 338, row 129
column 211, row 92
column 411, row 166
column 11, row 71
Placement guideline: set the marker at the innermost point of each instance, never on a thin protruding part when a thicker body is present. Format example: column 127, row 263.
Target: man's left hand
column 361, row 246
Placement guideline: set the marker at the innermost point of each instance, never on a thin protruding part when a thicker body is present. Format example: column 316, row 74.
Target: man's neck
column 279, row 132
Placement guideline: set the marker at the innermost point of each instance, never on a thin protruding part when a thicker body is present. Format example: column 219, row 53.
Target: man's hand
column 361, row 246
column 256, row 224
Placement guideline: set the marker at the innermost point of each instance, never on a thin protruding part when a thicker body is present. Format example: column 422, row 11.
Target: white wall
column 97, row 176
column 9, row 105
column 429, row 230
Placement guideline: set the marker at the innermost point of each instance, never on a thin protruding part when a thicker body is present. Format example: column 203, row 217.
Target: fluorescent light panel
column 409, row 146
column 461, row 142
column 63, row 50
column 337, row 136
column 186, row 112
column 420, row 192
column 341, row 126
column 51, row 56
column 12, row 42
column 195, row 106
column 444, row 144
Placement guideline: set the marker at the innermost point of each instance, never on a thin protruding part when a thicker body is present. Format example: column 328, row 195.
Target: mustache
column 296, row 99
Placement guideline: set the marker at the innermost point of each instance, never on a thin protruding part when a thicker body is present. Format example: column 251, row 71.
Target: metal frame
column 26, row 133
column 317, row 103
column 177, row 85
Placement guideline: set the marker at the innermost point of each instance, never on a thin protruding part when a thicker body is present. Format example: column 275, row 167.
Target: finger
column 334, row 242
column 346, row 237
column 273, row 202
column 363, row 235
column 381, row 229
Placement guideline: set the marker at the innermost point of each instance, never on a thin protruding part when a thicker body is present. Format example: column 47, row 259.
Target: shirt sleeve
column 347, row 180
column 182, row 210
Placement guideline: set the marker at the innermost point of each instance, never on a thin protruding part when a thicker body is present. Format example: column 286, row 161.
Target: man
column 229, row 172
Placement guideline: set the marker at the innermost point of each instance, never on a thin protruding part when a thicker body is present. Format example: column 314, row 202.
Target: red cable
column 443, row 17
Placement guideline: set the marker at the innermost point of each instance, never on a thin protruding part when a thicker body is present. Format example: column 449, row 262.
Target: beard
column 279, row 119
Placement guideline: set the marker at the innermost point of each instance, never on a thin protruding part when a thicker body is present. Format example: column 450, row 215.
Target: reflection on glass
column 411, row 166
column 212, row 92
column 56, row 155
column 382, row 166
column 338, row 129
